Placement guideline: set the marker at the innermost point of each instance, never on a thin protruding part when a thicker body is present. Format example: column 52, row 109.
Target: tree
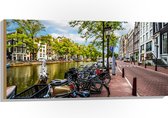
column 95, row 30
column 30, row 28
column 18, row 39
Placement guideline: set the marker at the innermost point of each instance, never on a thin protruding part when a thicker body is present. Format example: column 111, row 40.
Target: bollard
column 145, row 65
column 155, row 67
column 134, row 62
column 123, row 73
column 134, row 88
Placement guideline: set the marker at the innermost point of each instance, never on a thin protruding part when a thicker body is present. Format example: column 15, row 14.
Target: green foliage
column 115, row 54
column 26, row 33
column 65, row 46
column 94, row 29
column 30, row 27
column 27, row 30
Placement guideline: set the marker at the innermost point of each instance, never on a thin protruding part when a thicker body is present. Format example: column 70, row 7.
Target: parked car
column 100, row 63
column 126, row 59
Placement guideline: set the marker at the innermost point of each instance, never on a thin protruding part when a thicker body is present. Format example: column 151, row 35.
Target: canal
column 26, row 76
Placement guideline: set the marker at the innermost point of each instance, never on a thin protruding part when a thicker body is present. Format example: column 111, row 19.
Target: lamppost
column 108, row 32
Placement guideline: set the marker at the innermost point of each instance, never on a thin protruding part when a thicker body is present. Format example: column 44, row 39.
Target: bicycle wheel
column 84, row 85
column 105, row 92
column 107, row 79
column 96, row 85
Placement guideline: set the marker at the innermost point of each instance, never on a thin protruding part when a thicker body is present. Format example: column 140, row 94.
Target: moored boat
column 35, row 91
column 60, row 90
column 11, row 91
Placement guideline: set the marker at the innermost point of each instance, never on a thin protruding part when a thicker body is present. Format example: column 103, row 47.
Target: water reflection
column 27, row 76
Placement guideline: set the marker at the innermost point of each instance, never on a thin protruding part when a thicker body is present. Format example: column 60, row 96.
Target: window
column 141, row 32
column 143, row 24
column 14, row 50
column 143, row 29
column 9, row 49
column 165, row 47
column 14, row 42
column 149, row 46
column 151, row 24
column 151, row 32
column 146, row 36
column 156, row 27
column 24, row 50
column 147, row 26
column 19, row 50
column 143, row 38
column 142, row 49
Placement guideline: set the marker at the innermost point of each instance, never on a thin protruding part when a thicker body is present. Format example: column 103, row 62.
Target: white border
column 123, row 10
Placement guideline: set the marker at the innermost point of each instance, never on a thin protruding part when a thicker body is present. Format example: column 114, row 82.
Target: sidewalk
column 118, row 87
column 159, row 69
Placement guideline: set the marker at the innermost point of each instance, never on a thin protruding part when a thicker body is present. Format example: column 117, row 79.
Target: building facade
column 42, row 52
column 136, row 37
column 17, row 53
column 160, row 37
column 146, row 43
column 121, row 49
column 123, row 46
column 50, row 52
column 129, row 46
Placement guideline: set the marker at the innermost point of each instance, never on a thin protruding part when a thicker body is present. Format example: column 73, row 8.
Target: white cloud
column 127, row 27
column 62, row 28
column 59, row 26
column 74, row 37
column 62, row 23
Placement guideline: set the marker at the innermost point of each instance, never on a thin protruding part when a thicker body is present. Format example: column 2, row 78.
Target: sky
column 62, row 28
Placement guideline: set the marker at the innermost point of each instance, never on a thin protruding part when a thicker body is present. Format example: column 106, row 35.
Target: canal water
column 26, row 76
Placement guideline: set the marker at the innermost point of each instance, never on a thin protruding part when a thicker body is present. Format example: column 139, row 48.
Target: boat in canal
column 52, row 71
column 11, row 91
column 35, row 91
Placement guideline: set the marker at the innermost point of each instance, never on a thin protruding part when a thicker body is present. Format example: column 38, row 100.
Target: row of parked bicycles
column 84, row 81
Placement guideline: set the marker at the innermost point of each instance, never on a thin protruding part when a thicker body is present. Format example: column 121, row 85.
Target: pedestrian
column 116, row 63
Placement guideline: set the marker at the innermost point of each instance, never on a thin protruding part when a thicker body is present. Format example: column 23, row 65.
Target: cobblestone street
column 149, row 82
